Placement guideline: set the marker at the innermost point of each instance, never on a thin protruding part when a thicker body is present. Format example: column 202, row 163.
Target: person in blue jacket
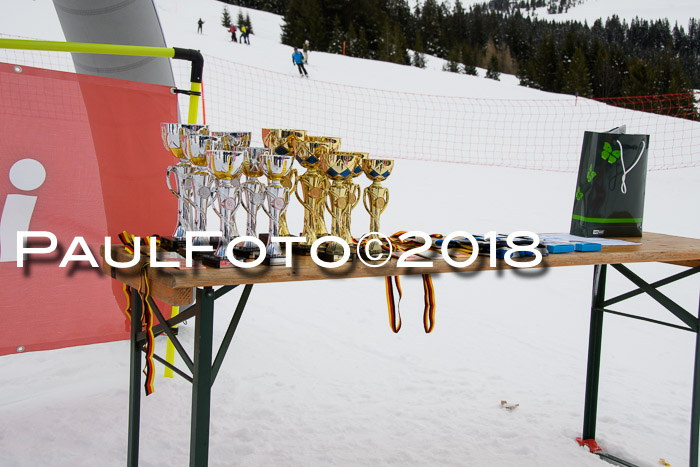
column 298, row 60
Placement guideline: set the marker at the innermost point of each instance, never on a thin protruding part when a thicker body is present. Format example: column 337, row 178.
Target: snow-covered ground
column 315, row 376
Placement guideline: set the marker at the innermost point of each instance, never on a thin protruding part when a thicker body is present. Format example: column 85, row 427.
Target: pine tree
column 454, row 60
column 337, row 37
column 418, row 59
column 240, row 21
column 248, row 25
column 226, row 18
column 469, row 61
column 493, row 70
column 577, row 79
column 362, row 47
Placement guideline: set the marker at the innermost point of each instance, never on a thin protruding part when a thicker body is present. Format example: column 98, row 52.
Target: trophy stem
column 182, row 172
column 201, row 182
column 314, row 187
column 339, row 196
column 277, row 201
column 228, row 196
column 378, row 199
column 252, row 200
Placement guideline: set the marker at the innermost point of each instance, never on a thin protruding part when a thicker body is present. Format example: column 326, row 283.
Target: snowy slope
column 315, row 376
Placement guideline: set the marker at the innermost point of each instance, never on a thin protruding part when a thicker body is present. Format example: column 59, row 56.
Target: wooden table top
column 174, row 286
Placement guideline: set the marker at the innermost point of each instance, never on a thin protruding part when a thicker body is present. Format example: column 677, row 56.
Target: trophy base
column 332, row 258
column 275, row 260
column 302, row 250
column 216, row 262
column 378, row 256
column 246, row 254
column 172, row 243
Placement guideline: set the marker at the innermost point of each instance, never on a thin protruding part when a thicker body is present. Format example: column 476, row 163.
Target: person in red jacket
column 232, row 30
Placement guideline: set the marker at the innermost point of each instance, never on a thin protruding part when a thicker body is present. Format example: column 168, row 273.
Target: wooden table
column 195, row 288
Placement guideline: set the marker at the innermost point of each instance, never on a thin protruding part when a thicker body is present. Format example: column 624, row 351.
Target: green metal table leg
column 695, row 412
column 594, row 347
column 134, row 381
column 202, row 381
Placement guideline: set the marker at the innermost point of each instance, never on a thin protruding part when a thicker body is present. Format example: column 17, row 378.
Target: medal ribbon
column 428, row 290
column 147, row 317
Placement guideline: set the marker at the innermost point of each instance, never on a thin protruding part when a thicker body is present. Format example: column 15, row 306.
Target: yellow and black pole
column 194, row 56
column 195, row 91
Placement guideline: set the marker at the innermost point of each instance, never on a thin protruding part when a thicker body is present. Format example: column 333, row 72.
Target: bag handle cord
column 623, row 188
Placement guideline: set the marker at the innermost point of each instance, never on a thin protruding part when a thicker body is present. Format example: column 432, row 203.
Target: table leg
column 594, row 348
column 202, row 379
column 134, row 381
column 695, row 412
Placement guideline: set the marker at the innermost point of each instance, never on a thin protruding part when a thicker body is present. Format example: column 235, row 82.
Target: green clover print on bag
column 579, row 193
column 608, row 154
column 590, row 175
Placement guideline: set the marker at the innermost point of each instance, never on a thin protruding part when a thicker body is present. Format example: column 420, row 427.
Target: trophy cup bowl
column 377, row 170
column 376, row 198
column 338, row 166
column 230, row 140
column 252, row 196
column 171, row 135
column 276, row 168
column 226, row 166
column 281, row 141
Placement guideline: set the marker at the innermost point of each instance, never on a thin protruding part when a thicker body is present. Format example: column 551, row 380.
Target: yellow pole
column 191, row 119
column 82, row 47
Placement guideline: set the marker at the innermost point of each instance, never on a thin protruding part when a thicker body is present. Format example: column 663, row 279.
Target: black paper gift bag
column 609, row 200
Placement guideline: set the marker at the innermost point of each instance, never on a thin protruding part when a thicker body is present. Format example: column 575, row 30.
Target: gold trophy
column 338, row 166
column 355, row 192
column 281, row 143
column 376, row 198
column 314, row 187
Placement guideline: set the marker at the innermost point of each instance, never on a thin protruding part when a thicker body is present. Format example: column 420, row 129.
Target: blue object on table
column 584, row 246
column 560, row 247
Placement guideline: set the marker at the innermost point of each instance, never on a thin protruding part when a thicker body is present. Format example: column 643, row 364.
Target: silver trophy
column 226, row 166
column 195, row 147
column 253, row 196
column 171, row 134
column 276, row 167
column 230, row 140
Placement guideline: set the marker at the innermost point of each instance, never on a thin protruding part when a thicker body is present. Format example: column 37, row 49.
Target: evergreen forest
column 609, row 58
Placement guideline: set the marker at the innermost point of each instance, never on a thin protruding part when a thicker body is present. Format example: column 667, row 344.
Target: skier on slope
column 232, row 30
column 298, row 60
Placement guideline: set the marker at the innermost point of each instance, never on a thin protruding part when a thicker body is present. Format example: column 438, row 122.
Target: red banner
column 80, row 156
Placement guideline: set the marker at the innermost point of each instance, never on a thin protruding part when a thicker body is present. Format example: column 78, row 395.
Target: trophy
column 195, row 147
column 281, row 142
column 226, row 166
column 314, row 187
column 338, row 166
column 230, row 140
column 276, row 167
column 171, row 134
column 253, row 196
column 375, row 198
column 355, row 192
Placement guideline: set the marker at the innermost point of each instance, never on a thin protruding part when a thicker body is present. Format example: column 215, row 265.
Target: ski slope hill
column 316, row 377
